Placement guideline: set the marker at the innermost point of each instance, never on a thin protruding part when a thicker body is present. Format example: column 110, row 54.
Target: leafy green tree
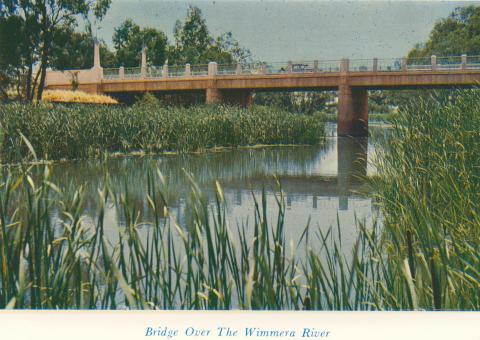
column 457, row 34
column 18, row 37
column 192, row 38
column 194, row 44
column 129, row 40
column 227, row 43
column 42, row 21
column 74, row 50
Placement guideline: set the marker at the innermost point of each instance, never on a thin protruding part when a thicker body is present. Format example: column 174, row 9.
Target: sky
column 297, row 30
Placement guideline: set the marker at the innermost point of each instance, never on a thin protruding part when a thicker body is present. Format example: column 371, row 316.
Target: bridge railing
column 315, row 66
column 176, row 71
column 389, row 65
column 473, row 61
column 199, row 70
column 111, row 73
column 227, row 69
column 447, row 63
column 153, row 72
column 361, row 65
column 132, row 72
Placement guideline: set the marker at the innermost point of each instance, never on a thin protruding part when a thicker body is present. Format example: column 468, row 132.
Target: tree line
column 40, row 34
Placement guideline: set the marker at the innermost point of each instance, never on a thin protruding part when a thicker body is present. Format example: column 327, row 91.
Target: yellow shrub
column 64, row 96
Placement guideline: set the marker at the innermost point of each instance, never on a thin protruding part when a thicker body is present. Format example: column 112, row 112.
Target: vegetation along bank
column 81, row 131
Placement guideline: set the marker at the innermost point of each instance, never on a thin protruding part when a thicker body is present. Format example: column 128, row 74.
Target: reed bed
column 79, row 131
column 430, row 193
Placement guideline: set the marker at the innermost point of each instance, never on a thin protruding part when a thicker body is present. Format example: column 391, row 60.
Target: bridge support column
column 352, row 116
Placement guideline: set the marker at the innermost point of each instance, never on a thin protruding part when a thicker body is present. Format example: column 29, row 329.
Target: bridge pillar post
column 433, row 61
column 375, row 65
column 352, row 107
column 165, row 71
column 352, row 116
column 213, row 94
column 263, row 68
column 403, row 63
column 238, row 70
column 188, row 70
column 290, row 67
column 143, row 65
column 315, row 66
column 464, row 61
column 121, row 72
column 96, row 55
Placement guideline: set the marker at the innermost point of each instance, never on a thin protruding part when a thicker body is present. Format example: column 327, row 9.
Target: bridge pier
column 352, row 116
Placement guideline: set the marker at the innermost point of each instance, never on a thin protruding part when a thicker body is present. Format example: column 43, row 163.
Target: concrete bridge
column 234, row 84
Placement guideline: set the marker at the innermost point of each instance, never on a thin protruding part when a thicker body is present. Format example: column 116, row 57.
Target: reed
column 429, row 190
column 79, row 131
column 422, row 255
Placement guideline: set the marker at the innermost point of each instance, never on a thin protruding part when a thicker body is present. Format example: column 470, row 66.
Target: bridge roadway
column 234, row 84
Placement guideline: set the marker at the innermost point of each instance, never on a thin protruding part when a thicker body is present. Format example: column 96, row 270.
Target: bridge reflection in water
column 324, row 182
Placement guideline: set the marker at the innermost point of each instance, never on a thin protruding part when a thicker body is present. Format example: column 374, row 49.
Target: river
column 322, row 185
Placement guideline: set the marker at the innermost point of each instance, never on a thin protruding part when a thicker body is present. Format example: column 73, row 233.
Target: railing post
column 464, row 61
column 165, row 71
column 238, row 70
column 263, row 68
column 212, row 69
column 290, row 67
column 315, row 66
column 344, row 65
column 188, row 70
column 97, row 67
column 96, row 55
column 143, row 65
column 433, row 61
column 121, row 72
column 403, row 64
column 375, row 65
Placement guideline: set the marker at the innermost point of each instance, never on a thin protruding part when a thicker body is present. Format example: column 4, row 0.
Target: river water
column 321, row 184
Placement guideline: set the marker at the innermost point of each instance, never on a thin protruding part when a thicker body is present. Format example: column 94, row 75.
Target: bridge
column 234, row 84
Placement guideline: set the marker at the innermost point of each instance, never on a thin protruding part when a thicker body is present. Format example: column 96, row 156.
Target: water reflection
column 323, row 183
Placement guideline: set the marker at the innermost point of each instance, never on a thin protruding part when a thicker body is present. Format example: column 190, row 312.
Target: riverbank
column 56, row 131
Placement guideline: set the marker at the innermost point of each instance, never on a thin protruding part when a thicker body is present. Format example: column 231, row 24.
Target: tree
column 194, row 44
column 192, row 38
column 457, row 34
column 42, row 21
column 18, row 37
column 227, row 43
column 129, row 40
column 74, row 50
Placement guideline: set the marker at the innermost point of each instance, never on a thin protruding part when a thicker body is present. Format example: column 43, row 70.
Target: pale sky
column 298, row 30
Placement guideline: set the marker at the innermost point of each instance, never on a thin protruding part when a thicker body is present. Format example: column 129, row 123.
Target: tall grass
column 424, row 256
column 73, row 132
column 430, row 193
